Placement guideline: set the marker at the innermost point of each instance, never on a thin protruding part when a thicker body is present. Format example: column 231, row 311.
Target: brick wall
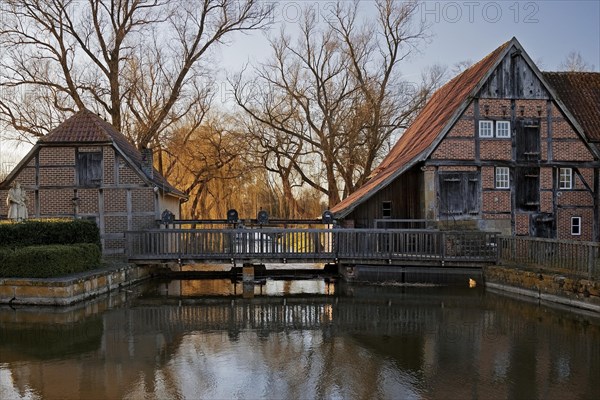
column 115, row 200
column 571, row 151
column 488, row 178
column 27, row 177
column 57, row 187
column 463, row 128
column 57, row 176
column 144, row 221
column 56, row 202
column 109, row 166
column 455, row 149
column 115, row 224
column 522, row 223
column 57, row 156
column 127, row 176
column 546, row 202
column 142, row 199
column 546, row 179
column 564, row 223
column 88, row 201
column 496, row 201
column 495, row 149
column 3, row 207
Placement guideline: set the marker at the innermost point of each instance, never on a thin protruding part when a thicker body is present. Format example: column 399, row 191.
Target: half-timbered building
column 502, row 147
column 85, row 168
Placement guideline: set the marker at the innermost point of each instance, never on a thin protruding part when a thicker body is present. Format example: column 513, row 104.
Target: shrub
column 48, row 261
column 49, row 232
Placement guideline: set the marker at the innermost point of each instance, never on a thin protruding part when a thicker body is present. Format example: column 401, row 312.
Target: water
column 298, row 340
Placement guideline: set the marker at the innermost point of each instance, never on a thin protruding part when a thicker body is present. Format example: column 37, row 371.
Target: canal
column 214, row 339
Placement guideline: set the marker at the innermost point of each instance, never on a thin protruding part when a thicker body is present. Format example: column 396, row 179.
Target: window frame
column 386, row 205
column 560, row 180
column 497, row 181
column 491, row 128
column 578, row 226
column 508, row 132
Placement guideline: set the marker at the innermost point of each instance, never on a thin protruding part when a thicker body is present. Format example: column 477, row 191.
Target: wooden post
column 443, row 235
column 591, row 261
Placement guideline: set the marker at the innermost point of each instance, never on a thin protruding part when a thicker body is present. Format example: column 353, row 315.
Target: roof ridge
column 571, row 72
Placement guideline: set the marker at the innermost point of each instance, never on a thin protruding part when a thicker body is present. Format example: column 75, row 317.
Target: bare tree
column 277, row 153
column 574, row 62
column 461, row 66
column 203, row 159
column 337, row 91
column 142, row 63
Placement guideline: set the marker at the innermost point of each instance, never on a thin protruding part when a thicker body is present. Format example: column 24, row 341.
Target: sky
column 460, row 30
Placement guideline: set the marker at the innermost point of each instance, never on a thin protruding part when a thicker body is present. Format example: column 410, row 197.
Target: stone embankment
column 545, row 286
column 70, row 289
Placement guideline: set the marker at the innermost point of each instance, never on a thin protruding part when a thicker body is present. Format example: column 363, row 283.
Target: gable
column 431, row 124
column 513, row 78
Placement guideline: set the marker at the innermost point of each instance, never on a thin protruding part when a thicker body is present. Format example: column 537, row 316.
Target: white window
column 486, row 129
column 502, row 129
column 565, row 178
column 576, row 226
column 502, row 178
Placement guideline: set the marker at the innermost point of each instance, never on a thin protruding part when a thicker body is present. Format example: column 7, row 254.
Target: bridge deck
column 282, row 245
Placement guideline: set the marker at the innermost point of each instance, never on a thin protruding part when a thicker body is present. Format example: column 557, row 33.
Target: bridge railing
column 562, row 256
column 312, row 244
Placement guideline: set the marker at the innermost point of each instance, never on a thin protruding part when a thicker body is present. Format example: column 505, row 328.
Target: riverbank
column 561, row 289
column 73, row 288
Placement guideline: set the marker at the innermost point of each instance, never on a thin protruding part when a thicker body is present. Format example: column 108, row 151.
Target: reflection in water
column 300, row 339
column 225, row 287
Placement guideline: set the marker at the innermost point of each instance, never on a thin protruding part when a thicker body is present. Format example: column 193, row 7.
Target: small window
column 502, row 129
column 565, row 178
column 576, row 226
column 502, row 178
column 386, row 209
column 486, row 129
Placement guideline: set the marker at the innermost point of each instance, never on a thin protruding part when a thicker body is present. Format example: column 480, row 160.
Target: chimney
column 147, row 165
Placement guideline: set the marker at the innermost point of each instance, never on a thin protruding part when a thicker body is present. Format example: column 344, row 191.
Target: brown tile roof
column 580, row 92
column 82, row 127
column 87, row 127
column 445, row 105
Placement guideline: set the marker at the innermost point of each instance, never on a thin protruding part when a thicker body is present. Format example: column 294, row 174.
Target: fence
column 567, row 257
column 312, row 244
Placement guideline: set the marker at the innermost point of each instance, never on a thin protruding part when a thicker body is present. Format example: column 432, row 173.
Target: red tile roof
column 580, row 92
column 87, row 127
column 441, row 110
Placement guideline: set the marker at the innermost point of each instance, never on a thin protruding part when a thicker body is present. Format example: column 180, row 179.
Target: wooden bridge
column 287, row 245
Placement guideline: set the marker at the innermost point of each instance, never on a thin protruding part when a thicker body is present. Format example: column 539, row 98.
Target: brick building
column 502, row 147
column 86, row 169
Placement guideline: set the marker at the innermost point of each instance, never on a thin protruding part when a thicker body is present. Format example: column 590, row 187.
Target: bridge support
column 248, row 273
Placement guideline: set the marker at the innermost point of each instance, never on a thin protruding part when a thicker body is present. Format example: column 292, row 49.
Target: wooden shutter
column 89, row 169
